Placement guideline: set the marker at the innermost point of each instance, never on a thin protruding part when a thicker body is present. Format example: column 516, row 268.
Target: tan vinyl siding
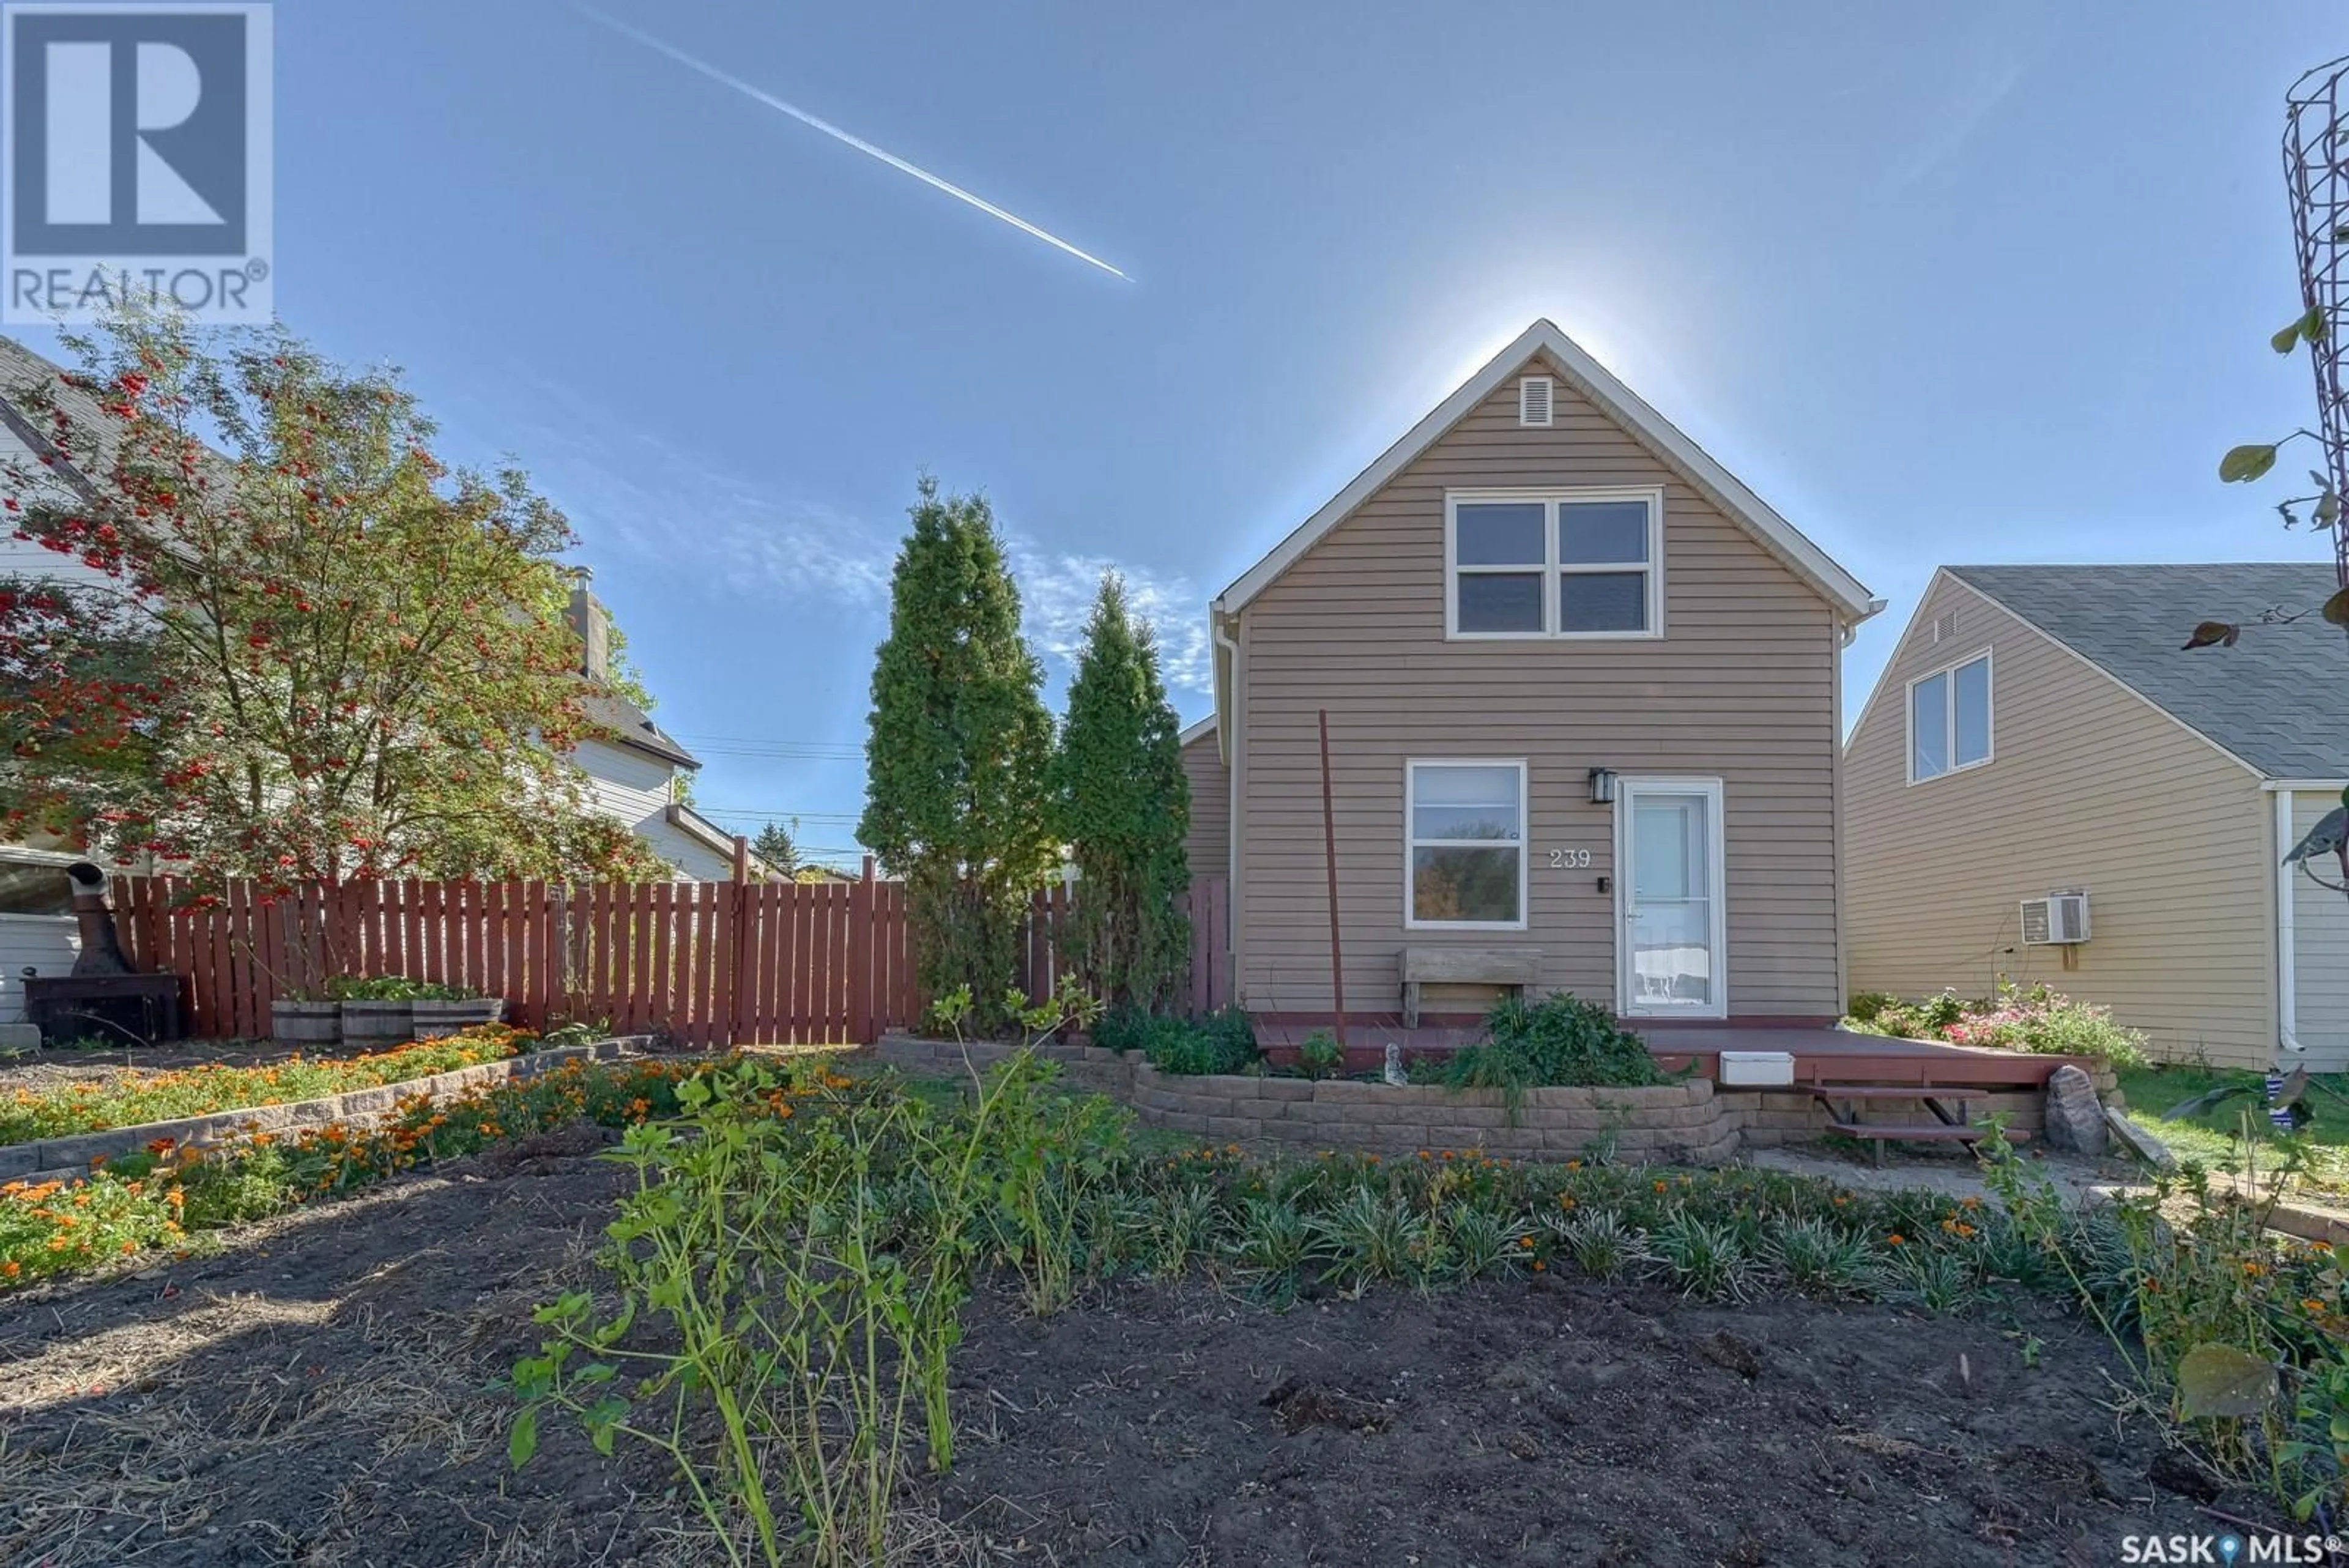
column 1208, row 845
column 2088, row 786
column 1740, row 688
column 2320, row 919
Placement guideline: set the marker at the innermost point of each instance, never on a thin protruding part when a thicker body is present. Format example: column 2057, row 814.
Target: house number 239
column 1562, row 859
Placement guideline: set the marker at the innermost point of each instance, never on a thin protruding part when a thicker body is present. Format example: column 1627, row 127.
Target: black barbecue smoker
column 102, row 997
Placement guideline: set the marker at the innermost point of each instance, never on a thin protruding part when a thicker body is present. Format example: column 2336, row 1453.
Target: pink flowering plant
column 2034, row 1018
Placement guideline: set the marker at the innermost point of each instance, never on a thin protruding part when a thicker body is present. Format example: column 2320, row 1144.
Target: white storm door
column 1671, row 947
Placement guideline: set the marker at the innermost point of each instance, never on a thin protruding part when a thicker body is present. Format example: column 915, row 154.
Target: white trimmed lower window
column 1464, row 845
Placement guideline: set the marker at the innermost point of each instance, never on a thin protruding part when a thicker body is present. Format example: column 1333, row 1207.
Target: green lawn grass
column 2213, row 1138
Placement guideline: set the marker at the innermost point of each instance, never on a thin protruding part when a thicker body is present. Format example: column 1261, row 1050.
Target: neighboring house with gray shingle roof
column 2040, row 729
column 637, row 771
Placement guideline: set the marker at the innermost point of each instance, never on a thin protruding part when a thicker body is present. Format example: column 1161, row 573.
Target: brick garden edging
column 64, row 1156
column 1692, row 1122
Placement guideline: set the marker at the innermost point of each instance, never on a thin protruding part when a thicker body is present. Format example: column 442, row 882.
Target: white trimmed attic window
column 1949, row 719
column 1554, row 564
column 1533, row 401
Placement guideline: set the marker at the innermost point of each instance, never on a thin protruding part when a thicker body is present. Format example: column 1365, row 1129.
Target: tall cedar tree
column 1120, row 800
column 321, row 655
column 956, row 752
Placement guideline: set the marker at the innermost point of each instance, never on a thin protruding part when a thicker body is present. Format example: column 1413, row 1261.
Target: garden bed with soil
column 325, row 1392
column 48, row 1068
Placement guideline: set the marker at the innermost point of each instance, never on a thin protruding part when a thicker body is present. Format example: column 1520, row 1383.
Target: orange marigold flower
column 2311, row 1303
column 1896, row 1239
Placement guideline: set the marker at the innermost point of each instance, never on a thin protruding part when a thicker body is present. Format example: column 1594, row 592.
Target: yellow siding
column 2088, row 786
column 1209, row 844
column 1741, row 687
column 2320, row 945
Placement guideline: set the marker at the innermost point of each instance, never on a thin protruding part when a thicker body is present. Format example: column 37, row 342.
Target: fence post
column 737, row 944
column 860, row 957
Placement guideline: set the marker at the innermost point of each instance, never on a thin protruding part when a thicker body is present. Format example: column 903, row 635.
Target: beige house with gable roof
column 2039, row 734
column 1581, row 686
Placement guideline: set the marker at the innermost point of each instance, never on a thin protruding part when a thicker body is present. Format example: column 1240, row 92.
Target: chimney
column 593, row 624
column 101, row 950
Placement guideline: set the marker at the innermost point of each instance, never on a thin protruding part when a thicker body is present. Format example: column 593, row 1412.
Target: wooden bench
column 1517, row 968
column 1948, row 1125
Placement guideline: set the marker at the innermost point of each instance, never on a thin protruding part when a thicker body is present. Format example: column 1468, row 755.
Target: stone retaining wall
column 1692, row 1122
column 66, row 1157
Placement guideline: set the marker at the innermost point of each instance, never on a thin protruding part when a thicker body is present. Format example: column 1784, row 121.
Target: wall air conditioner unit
column 2057, row 921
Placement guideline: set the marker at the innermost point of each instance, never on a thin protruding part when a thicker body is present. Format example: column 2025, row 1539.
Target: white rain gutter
column 2287, row 982
column 1226, row 746
column 1851, row 627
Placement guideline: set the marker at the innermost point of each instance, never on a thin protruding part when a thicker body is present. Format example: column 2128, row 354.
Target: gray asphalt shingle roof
column 632, row 726
column 2279, row 699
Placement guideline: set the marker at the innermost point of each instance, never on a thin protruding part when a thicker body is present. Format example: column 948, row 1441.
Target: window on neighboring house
column 1465, row 854
column 32, row 885
column 1949, row 719
column 1569, row 562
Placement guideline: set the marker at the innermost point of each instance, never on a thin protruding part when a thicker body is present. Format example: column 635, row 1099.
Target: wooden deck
column 1820, row 1055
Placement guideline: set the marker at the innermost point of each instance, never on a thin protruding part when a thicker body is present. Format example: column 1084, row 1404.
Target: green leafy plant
column 1070, row 1006
column 1866, row 1006
column 951, row 1013
column 2031, row 1018
column 1180, row 1046
column 1601, row 1243
column 1815, row 1258
column 1478, row 1241
column 809, row 1270
column 1320, row 1055
column 1122, row 1026
column 1368, row 1237
column 1939, row 1282
column 1707, row 1259
column 1558, row 1042
column 1042, row 1158
column 1275, row 1242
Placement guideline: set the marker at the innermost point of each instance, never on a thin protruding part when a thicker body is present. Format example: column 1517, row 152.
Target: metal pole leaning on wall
column 1330, row 853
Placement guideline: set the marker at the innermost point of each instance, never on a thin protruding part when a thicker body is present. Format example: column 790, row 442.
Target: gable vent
column 1533, row 401
column 1944, row 627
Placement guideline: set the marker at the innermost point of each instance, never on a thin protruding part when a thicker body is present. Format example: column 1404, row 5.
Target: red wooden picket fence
column 713, row 963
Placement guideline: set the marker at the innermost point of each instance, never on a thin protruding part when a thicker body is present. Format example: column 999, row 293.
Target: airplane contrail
column 837, row 134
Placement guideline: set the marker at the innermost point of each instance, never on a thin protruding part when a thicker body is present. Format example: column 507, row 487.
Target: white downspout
column 1227, row 741
column 2287, row 999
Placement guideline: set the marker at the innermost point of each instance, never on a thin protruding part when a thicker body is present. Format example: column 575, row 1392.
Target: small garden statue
column 1396, row 1076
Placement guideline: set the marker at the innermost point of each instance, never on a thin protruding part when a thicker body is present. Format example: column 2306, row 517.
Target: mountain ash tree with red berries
column 281, row 639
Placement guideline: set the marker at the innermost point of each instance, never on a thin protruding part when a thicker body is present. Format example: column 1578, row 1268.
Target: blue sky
column 1982, row 283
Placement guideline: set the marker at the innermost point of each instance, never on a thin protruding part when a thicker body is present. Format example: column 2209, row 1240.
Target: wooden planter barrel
column 378, row 1022
column 433, row 1020
column 305, row 1022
